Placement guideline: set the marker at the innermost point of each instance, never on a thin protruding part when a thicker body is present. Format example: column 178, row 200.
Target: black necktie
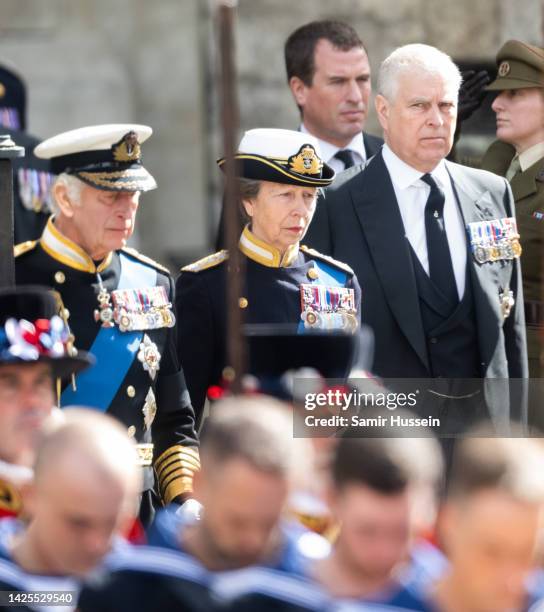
column 440, row 265
column 346, row 157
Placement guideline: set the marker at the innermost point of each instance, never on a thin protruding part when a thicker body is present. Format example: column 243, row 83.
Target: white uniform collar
column 67, row 252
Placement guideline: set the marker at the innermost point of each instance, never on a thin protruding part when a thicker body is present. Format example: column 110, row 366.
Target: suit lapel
column 524, row 183
column 476, row 206
column 373, row 144
column 376, row 207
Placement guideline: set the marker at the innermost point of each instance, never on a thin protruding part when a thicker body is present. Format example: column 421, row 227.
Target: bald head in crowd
column 247, row 456
column 85, row 491
column 490, row 523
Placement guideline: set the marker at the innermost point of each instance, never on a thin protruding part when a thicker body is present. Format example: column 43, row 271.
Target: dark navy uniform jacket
column 153, row 404
column 298, row 550
column 272, row 295
column 149, row 579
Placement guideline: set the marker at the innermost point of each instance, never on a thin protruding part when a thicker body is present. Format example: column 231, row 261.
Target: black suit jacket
column 373, row 144
column 358, row 221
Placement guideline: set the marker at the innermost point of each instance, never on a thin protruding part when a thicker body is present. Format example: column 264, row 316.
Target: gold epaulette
column 175, row 469
column 23, row 247
column 207, row 262
column 327, row 258
column 145, row 259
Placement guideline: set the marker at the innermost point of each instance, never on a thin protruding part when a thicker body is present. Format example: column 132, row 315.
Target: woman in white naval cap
column 279, row 173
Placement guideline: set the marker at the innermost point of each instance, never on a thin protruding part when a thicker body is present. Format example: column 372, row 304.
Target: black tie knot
column 346, row 157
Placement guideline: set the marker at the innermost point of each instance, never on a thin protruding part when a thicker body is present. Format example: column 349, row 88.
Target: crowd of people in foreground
column 146, row 507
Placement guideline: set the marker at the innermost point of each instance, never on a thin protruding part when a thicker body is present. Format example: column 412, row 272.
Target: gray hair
column 416, row 58
column 73, row 187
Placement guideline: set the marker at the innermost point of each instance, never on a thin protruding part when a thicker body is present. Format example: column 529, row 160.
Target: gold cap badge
column 305, row 161
column 127, row 149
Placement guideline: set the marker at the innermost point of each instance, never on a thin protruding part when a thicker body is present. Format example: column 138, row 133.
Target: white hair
column 73, row 187
column 416, row 58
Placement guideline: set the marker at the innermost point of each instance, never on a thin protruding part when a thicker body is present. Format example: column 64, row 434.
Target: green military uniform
column 528, row 190
column 521, row 66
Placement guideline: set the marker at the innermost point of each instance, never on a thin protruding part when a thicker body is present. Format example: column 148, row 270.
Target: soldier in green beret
column 518, row 154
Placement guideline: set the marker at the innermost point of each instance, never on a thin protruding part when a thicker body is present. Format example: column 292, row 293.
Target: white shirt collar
column 404, row 175
column 531, row 156
column 328, row 150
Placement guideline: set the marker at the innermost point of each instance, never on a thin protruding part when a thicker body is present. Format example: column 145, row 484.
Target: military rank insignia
column 328, row 308
column 494, row 240
column 142, row 309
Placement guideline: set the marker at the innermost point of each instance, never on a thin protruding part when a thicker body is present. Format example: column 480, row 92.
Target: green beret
column 519, row 65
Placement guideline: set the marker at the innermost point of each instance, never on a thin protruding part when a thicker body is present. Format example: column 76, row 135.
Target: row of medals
column 508, row 248
column 108, row 316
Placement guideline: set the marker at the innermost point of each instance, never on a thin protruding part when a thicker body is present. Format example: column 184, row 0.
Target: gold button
column 60, row 277
column 131, row 431
column 313, row 273
column 229, row 374
column 242, row 302
column 131, row 391
column 2, row 90
column 66, row 313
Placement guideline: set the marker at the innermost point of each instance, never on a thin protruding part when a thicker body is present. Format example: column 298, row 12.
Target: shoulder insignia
column 145, row 259
column 327, row 258
column 209, row 261
column 23, row 247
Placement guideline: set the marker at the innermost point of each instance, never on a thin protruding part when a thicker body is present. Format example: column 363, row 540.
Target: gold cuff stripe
column 176, row 461
column 188, row 480
column 173, row 450
column 185, row 485
column 175, row 489
column 177, row 473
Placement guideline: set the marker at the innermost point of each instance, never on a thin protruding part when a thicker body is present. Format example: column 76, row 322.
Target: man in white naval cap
column 117, row 302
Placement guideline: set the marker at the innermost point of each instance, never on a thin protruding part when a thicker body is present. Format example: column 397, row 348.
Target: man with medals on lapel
column 117, row 302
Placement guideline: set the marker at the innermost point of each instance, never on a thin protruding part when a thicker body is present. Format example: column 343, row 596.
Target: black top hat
column 12, row 100
column 31, row 331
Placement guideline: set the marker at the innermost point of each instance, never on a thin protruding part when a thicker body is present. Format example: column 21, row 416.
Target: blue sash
column 328, row 275
column 114, row 350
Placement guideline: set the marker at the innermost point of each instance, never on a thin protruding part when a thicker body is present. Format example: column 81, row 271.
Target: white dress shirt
column 328, row 150
column 412, row 194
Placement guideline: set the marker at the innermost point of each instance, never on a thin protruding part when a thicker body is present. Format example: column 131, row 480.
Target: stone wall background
column 105, row 61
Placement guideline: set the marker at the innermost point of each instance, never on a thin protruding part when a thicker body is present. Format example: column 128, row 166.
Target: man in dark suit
column 329, row 76
column 434, row 244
